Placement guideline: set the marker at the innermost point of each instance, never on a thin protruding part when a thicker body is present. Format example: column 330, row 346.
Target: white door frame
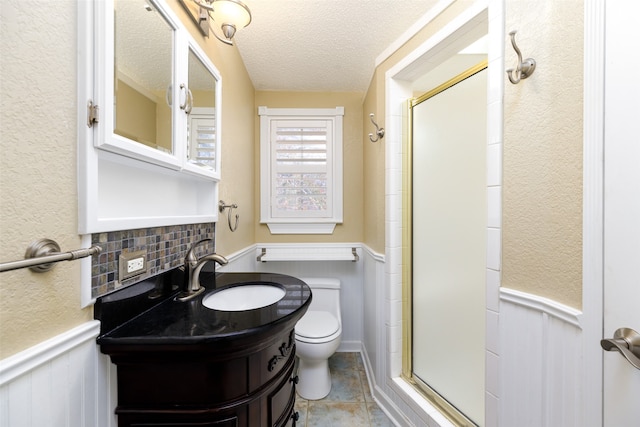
column 593, row 205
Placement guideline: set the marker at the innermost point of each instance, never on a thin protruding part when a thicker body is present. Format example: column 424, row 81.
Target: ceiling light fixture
column 225, row 16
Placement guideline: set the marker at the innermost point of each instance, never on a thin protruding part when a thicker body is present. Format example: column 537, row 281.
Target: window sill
column 301, row 228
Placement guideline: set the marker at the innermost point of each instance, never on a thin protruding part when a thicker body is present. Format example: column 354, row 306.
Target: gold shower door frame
column 447, row 409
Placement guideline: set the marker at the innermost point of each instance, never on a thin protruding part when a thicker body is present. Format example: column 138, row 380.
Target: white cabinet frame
column 124, row 185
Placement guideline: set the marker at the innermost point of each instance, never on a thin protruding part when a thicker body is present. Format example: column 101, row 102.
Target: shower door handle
column 627, row 342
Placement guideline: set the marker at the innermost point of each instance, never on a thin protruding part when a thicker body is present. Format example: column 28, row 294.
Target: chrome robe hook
column 524, row 68
column 222, row 206
column 379, row 130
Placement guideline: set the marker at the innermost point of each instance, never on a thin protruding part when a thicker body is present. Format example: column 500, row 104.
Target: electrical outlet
column 132, row 264
column 135, row 264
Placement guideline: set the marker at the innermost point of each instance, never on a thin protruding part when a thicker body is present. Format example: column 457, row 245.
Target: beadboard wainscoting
column 541, row 362
column 63, row 382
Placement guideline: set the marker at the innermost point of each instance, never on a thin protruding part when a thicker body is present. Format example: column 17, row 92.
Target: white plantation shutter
column 301, row 168
column 203, row 141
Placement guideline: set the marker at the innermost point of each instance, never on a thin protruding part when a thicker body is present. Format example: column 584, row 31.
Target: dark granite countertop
column 147, row 316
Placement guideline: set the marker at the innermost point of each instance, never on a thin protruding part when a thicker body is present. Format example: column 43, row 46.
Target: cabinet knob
column 295, row 417
column 294, row 379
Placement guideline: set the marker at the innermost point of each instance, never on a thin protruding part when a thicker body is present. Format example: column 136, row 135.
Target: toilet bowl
column 318, row 335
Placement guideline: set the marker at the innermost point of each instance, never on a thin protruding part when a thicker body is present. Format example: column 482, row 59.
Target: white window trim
column 300, row 225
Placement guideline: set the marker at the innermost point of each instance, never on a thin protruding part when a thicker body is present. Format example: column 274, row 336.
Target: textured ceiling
column 321, row 45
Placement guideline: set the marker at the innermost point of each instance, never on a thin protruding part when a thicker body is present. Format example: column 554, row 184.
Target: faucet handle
column 190, row 257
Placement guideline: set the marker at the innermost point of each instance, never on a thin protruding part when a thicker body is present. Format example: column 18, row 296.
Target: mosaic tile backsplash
column 165, row 249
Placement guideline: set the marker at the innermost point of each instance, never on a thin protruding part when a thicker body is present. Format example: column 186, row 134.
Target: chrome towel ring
column 222, row 206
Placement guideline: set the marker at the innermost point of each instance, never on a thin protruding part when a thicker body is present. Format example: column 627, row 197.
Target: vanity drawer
column 282, row 399
column 269, row 362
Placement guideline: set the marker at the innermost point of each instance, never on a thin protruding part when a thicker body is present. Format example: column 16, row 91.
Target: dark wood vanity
column 182, row 364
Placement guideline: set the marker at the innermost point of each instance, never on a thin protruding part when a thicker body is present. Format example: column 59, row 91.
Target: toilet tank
column 325, row 294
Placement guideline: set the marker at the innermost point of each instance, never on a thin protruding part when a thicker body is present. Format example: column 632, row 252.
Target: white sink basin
column 243, row 297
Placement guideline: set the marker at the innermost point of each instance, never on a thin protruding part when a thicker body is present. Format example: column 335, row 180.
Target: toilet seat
column 317, row 324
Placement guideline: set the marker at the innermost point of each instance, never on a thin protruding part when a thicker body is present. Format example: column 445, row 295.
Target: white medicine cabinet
column 149, row 116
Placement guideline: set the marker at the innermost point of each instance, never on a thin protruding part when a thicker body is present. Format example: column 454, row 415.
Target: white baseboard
column 350, row 347
column 386, row 405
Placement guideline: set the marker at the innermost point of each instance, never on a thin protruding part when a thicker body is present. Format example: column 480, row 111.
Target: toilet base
column 314, row 379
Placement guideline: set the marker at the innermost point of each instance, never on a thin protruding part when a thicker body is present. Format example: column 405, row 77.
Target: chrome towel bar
column 43, row 253
column 303, row 253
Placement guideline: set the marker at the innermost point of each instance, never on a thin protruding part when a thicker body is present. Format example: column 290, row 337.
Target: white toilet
column 318, row 335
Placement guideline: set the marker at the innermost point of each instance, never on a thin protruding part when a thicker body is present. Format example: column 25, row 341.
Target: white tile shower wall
column 495, row 132
column 64, row 381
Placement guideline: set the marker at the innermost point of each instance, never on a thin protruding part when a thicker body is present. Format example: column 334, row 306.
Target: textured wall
column 373, row 170
column 38, row 169
column 542, row 196
column 351, row 229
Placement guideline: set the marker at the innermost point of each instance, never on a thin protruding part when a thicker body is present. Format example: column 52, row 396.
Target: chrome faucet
column 192, row 268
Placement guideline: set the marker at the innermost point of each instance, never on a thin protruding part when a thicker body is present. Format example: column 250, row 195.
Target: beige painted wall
column 542, row 177
column 374, row 154
column 351, row 229
column 38, row 196
column 373, row 171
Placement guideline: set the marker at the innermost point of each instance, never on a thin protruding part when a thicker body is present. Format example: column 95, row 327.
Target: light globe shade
column 231, row 12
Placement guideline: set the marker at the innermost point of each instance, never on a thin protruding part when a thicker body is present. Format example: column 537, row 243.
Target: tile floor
column 349, row 403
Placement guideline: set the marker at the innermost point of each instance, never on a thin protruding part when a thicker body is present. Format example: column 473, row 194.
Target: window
column 301, row 169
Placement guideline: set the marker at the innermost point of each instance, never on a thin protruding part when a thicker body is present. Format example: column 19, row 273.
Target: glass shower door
column 448, row 244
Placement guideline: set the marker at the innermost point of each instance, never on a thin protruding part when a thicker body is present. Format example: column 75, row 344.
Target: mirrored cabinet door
column 143, row 75
column 135, row 75
column 203, row 136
